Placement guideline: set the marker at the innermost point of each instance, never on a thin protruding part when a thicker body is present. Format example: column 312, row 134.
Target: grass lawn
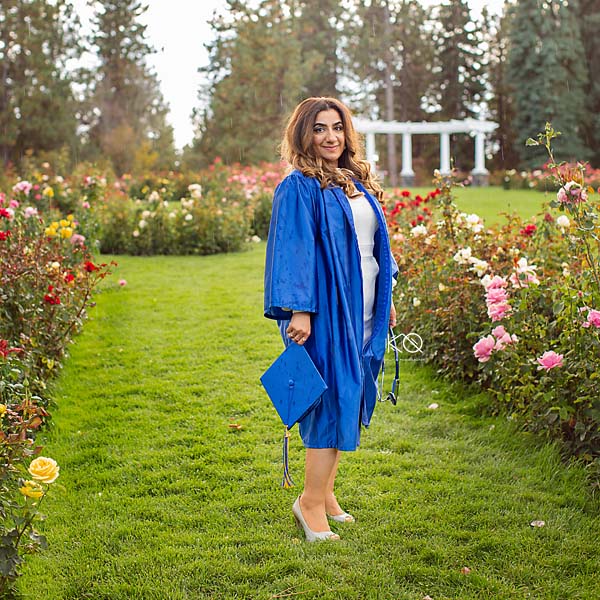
column 161, row 499
column 490, row 202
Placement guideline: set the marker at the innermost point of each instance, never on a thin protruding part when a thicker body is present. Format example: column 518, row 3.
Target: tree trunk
column 389, row 103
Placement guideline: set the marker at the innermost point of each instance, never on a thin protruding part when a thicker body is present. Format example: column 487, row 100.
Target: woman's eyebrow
column 325, row 124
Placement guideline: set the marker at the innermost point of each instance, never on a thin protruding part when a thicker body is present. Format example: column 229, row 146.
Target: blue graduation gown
column 313, row 264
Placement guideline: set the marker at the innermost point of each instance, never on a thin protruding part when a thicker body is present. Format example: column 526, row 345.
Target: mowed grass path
column 161, row 499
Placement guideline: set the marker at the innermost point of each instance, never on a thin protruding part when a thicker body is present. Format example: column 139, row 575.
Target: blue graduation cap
column 295, row 387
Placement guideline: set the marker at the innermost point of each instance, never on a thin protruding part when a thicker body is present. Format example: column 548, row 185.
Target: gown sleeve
column 290, row 266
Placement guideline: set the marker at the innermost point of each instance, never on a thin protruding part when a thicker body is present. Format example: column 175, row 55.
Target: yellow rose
column 64, row 223
column 2, row 410
column 50, row 232
column 49, row 192
column 66, row 232
column 44, row 469
column 70, row 218
column 32, row 489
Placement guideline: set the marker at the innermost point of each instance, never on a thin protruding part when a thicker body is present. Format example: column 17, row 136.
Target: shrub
column 514, row 309
column 46, row 279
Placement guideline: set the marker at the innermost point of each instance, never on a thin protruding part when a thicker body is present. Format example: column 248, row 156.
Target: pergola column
column 371, row 152
column 480, row 173
column 445, row 153
column 407, row 174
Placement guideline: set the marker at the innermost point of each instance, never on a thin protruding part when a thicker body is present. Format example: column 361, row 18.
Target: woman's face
column 329, row 140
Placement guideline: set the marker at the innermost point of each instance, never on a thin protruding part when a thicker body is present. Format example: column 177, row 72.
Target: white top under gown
column 365, row 225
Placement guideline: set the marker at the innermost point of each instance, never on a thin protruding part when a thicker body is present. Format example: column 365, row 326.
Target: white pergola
column 443, row 128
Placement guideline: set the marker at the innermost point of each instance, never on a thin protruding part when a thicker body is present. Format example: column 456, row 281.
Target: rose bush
column 47, row 276
column 515, row 308
column 216, row 210
column 542, row 179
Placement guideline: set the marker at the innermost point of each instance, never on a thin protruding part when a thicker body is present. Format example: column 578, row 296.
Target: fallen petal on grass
column 537, row 523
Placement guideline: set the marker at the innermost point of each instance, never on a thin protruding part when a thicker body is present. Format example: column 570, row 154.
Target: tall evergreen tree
column 126, row 110
column 589, row 19
column 37, row 38
column 547, row 72
column 500, row 98
column 460, row 79
column 319, row 32
column 255, row 77
column 390, row 61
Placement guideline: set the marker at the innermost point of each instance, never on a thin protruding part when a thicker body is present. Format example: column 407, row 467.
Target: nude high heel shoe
column 343, row 518
column 311, row 536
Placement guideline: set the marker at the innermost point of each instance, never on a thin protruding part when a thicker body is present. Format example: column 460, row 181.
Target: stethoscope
column 391, row 395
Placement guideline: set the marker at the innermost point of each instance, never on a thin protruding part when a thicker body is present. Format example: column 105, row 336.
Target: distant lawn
column 490, row 202
column 159, row 498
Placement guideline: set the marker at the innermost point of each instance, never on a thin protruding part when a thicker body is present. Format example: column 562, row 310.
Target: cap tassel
column 287, row 481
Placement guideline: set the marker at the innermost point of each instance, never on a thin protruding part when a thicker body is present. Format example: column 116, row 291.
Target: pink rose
column 122, row 282
column 525, row 281
column 505, row 340
column 571, row 192
column 496, row 312
column 496, row 282
column 484, row 347
column 496, row 295
column 499, row 332
column 77, row 239
column 593, row 318
column 549, row 360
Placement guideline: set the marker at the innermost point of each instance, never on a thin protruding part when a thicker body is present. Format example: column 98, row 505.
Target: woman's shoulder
column 296, row 179
column 297, row 175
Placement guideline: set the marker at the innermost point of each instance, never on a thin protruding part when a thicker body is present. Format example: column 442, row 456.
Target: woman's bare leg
column 331, row 504
column 319, row 469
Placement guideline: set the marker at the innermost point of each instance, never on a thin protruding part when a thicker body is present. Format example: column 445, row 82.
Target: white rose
column 563, row 222
column 463, row 256
column 479, row 266
column 418, row 230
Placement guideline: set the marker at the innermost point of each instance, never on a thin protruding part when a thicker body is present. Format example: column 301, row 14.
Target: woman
column 328, row 282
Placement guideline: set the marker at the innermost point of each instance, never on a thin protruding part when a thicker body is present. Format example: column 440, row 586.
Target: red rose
column 528, row 230
column 90, row 267
column 5, row 350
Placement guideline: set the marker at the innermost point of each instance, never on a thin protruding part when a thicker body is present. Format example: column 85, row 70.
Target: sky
column 178, row 29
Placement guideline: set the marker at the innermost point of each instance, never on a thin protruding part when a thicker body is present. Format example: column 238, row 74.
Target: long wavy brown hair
column 298, row 150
